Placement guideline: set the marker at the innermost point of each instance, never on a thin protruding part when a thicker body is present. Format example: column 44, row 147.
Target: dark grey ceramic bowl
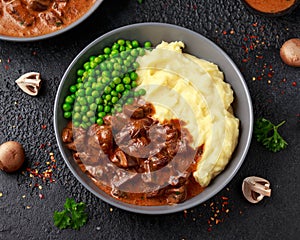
column 196, row 45
column 53, row 34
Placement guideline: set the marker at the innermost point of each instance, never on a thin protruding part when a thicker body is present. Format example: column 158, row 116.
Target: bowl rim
column 165, row 209
column 55, row 33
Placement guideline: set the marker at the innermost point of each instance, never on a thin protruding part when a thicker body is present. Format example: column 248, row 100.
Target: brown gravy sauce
column 29, row 18
column 270, row 6
column 120, row 155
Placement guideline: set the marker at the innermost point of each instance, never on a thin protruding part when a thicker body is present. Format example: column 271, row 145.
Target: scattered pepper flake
column 1, row 194
column 294, row 84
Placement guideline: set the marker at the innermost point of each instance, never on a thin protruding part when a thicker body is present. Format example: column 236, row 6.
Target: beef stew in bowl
column 86, row 174
column 36, row 19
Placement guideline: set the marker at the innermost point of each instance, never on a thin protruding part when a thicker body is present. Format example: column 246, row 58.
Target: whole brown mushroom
column 290, row 52
column 12, row 156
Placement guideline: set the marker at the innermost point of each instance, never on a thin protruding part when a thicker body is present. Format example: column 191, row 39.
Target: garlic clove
column 30, row 83
column 256, row 188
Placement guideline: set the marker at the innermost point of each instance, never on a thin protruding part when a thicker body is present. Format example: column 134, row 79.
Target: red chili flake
column 259, row 78
column 254, row 24
column 259, row 56
column 8, row 60
column 195, row 7
column 41, row 196
column 36, row 163
column 224, row 198
column 42, row 146
column 224, row 32
column 270, row 74
column 244, row 60
column 44, row 126
column 283, row 80
column 245, row 39
column 6, row 67
column 294, row 84
column 184, row 213
column 209, row 229
column 253, row 37
column 34, row 53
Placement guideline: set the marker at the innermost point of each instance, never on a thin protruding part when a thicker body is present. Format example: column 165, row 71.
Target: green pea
column 67, row 114
column 73, row 88
column 142, row 51
column 115, row 73
column 122, row 48
column 105, row 80
column 79, row 80
column 93, row 65
column 142, row 92
column 134, row 52
column 128, row 86
column 129, row 100
column 121, row 42
column 77, row 108
column 79, row 85
column 112, row 85
column 100, row 108
column 86, row 65
column 117, row 80
column 80, row 72
column 107, row 50
column 90, row 99
column 134, row 84
column 114, row 93
column 126, row 93
column 97, row 60
column 114, row 99
column 95, row 94
column 98, row 100
column 101, row 114
column 87, row 84
column 106, row 73
column 76, row 124
column 124, row 69
column 107, row 89
column 69, row 100
column 147, row 44
column 135, row 65
column 93, row 106
column 83, row 125
column 115, row 46
column 124, row 54
column 76, row 116
column 90, row 114
column 117, row 67
column 92, row 58
column 82, row 101
column 128, row 44
column 100, row 121
column 67, row 107
column 133, row 76
column 85, row 119
column 130, row 59
column 84, row 109
column 114, row 53
column 135, row 43
column 103, row 66
column 102, row 57
column 136, row 94
column 107, row 109
column 98, row 86
column 109, row 66
column 88, row 91
column 126, row 80
column 120, row 87
column 119, row 109
column 108, row 97
column 93, row 119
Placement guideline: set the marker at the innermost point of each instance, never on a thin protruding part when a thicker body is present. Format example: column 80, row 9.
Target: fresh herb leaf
column 73, row 216
column 267, row 134
column 140, row 1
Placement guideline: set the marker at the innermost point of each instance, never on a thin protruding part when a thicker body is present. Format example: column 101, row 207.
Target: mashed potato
column 192, row 89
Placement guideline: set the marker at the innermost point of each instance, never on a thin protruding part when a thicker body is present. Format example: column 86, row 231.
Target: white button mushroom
column 12, row 156
column 290, row 52
column 30, row 83
column 255, row 189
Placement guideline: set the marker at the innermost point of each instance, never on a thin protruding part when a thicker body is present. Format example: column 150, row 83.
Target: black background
column 29, row 120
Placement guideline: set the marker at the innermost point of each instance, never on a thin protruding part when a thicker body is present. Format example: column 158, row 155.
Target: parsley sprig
column 267, row 134
column 73, row 216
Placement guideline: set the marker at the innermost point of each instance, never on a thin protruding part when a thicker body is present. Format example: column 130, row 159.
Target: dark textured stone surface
column 23, row 215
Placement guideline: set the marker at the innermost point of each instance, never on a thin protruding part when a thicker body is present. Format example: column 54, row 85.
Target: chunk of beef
column 119, row 158
column 50, row 19
column 67, row 135
column 38, row 5
column 134, row 111
column 176, row 195
column 60, row 6
column 102, row 136
column 19, row 13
